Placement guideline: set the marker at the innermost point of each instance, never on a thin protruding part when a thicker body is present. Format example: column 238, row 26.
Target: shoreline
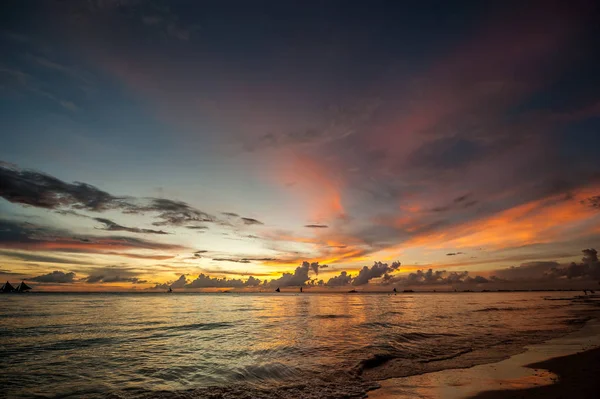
column 519, row 375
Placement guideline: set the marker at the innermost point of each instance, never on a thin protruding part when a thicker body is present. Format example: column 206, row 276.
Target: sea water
column 260, row 345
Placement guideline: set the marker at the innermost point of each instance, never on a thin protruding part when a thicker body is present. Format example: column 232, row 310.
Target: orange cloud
column 535, row 222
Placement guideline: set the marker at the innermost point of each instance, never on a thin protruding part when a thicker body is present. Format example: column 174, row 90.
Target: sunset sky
column 196, row 144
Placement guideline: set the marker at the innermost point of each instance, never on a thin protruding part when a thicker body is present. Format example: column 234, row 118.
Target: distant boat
column 7, row 287
column 277, row 290
column 22, row 287
column 352, row 292
column 395, row 290
column 170, row 290
column 408, row 291
column 300, row 289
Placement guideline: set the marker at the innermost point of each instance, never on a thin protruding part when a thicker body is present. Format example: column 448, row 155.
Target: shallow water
column 257, row 345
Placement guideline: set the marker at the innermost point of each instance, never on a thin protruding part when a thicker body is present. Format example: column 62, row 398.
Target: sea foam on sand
column 507, row 375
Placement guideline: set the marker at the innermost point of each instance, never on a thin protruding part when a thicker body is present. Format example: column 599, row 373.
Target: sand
column 577, row 378
column 564, row 367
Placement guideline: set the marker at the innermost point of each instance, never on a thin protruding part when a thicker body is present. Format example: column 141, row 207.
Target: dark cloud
column 314, row 266
column 338, row 281
column 527, row 271
column 298, row 278
column 29, row 257
column 44, row 191
column 250, row 221
column 454, row 253
column 10, row 273
column 441, row 277
column 588, row 269
column 113, row 274
column 592, row 202
column 204, row 281
column 27, row 236
column 173, row 213
column 316, row 226
column 181, row 282
column 109, row 225
column 378, row 269
column 245, row 260
column 231, row 260
column 230, row 214
column 57, row 277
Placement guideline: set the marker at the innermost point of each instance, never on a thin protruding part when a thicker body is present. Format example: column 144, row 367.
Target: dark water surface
column 258, row 345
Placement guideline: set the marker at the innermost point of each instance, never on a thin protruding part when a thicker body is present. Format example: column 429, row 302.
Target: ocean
column 186, row 345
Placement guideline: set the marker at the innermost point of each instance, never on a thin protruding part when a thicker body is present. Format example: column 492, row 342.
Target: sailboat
column 7, row 287
column 277, row 290
column 22, row 287
column 170, row 290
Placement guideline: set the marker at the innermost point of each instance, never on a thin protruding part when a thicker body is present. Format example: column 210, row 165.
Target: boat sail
column 7, row 287
column 22, row 287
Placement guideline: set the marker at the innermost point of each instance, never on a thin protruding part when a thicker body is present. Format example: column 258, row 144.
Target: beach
column 563, row 367
column 577, row 377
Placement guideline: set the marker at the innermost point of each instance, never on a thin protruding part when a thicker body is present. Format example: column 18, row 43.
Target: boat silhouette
column 7, row 287
column 21, row 288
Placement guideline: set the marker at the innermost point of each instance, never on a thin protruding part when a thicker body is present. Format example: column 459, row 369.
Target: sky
column 333, row 145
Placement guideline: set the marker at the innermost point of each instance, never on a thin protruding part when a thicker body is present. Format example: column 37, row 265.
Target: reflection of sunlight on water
column 57, row 343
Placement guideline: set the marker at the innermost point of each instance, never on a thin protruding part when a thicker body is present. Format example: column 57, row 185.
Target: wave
column 501, row 309
column 333, row 316
column 448, row 357
column 187, row 327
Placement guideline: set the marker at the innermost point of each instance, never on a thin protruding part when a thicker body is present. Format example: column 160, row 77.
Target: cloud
column 316, row 226
column 378, row 269
column 9, row 273
column 37, row 189
column 174, row 213
column 204, row 281
column 31, row 237
column 454, row 253
column 245, row 260
column 230, row 214
column 181, row 282
column 29, row 257
column 231, row 260
column 57, row 277
column 314, row 266
column 592, row 202
column 338, row 281
column 527, row 271
column 44, row 191
column 113, row 274
column 441, row 277
column 589, row 268
column 298, row 278
column 250, row 221
column 109, row 225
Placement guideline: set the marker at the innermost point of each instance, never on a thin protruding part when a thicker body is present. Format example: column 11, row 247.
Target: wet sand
column 577, row 378
column 564, row 367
